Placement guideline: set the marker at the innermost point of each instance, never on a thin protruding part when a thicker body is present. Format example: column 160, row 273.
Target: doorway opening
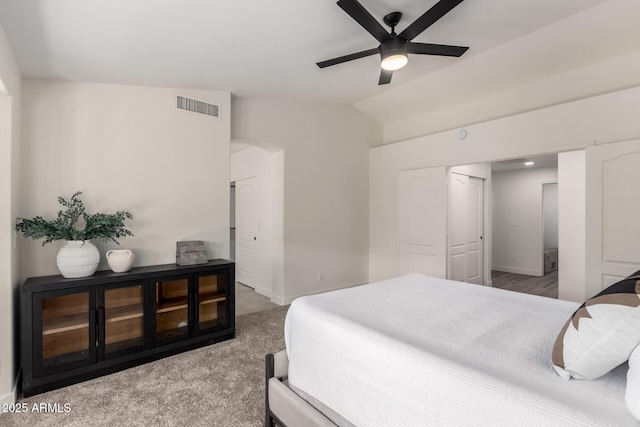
column 503, row 224
column 257, row 176
column 525, row 225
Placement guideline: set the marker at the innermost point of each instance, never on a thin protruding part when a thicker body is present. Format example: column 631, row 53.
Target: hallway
column 546, row 286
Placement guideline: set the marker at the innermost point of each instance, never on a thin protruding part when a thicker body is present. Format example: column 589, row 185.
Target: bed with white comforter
column 420, row 351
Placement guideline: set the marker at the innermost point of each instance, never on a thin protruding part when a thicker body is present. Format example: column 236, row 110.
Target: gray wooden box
column 190, row 246
column 191, row 258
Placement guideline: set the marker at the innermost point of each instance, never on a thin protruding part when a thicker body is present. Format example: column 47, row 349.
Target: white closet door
column 422, row 214
column 475, row 219
column 613, row 213
column 245, row 231
column 465, row 228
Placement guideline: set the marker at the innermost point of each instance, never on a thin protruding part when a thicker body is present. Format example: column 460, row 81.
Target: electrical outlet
column 321, row 275
column 513, row 258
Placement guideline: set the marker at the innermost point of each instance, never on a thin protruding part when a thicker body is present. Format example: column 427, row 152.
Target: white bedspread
column 419, row 351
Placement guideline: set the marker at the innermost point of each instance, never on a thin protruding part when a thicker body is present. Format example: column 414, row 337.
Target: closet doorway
column 525, row 225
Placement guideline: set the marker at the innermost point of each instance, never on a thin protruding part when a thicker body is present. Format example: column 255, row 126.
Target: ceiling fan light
column 394, row 62
column 393, row 53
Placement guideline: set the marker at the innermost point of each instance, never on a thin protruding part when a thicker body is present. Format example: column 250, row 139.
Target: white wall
column 517, row 219
column 277, row 267
column 255, row 162
column 571, row 226
column 10, row 100
column 127, row 148
column 550, row 216
column 602, row 77
column 570, row 126
column 326, row 192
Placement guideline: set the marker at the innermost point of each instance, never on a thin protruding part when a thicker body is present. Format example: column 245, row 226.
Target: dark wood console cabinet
column 77, row 329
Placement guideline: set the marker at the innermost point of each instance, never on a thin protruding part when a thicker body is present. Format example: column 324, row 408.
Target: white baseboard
column 263, row 291
column 12, row 396
column 490, row 283
column 516, row 270
column 278, row 300
column 289, row 299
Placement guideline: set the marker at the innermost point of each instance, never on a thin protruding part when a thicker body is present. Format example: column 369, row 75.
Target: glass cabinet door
column 66, row 330
column 212, row 297
column 172, row 309
column 123, row 318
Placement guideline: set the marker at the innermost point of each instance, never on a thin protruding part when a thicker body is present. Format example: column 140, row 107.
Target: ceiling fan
column 393, row 48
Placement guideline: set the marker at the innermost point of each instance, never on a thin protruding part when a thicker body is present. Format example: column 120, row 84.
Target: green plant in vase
column 79, row 257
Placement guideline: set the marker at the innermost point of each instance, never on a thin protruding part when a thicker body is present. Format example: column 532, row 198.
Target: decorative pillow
column 632, row 396
column 601, row 334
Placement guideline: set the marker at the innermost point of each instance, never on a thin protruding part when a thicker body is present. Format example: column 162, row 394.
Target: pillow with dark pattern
column 601, row 334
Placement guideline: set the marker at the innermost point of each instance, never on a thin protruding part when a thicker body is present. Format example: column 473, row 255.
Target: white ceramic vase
column 120, row 260
column 78, row 258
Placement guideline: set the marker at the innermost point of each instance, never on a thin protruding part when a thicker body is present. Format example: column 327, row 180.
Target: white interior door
column 422, row 214
column 466, row 195
column 246, row 231
column 612, row 220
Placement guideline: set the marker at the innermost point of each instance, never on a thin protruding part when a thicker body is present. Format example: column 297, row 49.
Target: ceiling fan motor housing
column 393, row 46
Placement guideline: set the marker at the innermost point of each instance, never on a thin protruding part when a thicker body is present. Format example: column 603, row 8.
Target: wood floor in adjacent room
column 546, row 286
column 249, row 301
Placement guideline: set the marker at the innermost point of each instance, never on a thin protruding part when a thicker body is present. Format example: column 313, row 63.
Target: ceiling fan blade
column 364, row 18
column 350, row 57
column 429, row 18
column 385, row 77
column 435, row 49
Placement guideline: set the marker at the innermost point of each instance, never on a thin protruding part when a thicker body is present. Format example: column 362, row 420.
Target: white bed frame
column 283, row 405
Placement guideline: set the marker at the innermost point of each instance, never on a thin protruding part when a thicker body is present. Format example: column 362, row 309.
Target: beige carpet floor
column 217, row 385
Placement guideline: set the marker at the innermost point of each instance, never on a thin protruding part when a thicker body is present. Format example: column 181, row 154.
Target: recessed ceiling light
column 529, row 163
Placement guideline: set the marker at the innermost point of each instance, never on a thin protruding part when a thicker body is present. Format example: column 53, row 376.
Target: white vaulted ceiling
column 268, row 49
